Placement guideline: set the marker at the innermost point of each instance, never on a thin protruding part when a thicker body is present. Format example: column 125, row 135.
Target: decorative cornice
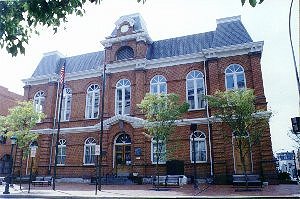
column 136, row 36
column 69, row 77
column 229, row 19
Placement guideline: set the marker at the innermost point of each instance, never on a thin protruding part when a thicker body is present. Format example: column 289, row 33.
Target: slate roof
column 226, row 34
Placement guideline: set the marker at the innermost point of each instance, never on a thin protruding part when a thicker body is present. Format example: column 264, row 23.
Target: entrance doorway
column 122, row 160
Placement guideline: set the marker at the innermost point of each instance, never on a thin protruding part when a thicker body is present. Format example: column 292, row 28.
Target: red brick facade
column 219, row 162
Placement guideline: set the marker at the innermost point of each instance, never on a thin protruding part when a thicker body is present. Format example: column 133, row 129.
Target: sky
column 266, row 22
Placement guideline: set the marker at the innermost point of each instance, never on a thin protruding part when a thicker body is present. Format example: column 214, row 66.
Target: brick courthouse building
column 189, row 66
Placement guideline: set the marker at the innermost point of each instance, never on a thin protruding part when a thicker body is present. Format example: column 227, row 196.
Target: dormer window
column 125, row 52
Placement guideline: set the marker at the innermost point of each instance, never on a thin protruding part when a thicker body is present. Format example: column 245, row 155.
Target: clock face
column 124, row 28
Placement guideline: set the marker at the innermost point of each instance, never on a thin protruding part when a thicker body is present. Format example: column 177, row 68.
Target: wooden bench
column 252, row 180
column 39, row 180
column 167, row 181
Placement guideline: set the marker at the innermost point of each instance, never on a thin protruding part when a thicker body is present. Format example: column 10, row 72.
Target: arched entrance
column 122, row 154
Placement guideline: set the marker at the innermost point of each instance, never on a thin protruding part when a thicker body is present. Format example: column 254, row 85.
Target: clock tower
column 128, row 41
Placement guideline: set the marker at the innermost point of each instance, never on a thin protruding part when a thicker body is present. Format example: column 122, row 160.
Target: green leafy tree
column 20, row 121
column 237, row 109
column 161, row 112
column 253, row 3
column 20, row 19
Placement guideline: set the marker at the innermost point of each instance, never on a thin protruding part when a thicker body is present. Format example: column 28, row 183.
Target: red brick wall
column 179, row 142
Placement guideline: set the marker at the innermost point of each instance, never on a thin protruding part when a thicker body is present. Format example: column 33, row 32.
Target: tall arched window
column 158, row 84
column 89, row 151
column 125, row 52
column 61, row 155
column 195, row 89
column 92, row 101
column 200, row 147
column 39, row 101
column 235, row 77
column 158, row 151
column 66, row 105
column 123, row 97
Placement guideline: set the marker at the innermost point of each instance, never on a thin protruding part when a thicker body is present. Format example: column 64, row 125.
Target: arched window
column 92, row 101
column 195, row 89
column 39, row 101
column 235, row 77
column 89, row 151
column 158, row 84
column 123, row 97
column 61, row 155
column 125, row 52
column 158, row 151
column 200, row 147
column 66, row 105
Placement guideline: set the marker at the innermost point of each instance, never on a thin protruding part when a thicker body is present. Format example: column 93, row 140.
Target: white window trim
column 195, row 91
column 235, row 74
column 152, row 151
column 62, row 143
column 122, row 88
column 93, row 102
column 67, row 94
column 39, row 96
column 191, row 147
column 84, row 150
column 158, row 84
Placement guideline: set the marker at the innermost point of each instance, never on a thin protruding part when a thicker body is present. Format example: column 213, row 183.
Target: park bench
column 239, row 181
column 39, row 180
column 167, row 181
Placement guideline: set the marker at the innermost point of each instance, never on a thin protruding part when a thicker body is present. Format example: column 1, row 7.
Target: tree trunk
column 243, row 162
column 21, row 165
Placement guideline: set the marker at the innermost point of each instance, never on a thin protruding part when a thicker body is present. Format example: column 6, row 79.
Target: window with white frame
column 61, row 155
column 199, row 145
column 122, row 98
column 39, row 101
column 235, row 77
column 92, row 102
column 89, row 151
column 158, row 151
column 158, row 84
column 195, row 90
column 66, row 105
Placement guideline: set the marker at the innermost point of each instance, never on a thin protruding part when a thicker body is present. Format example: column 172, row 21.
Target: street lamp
column 193, row 128
column 13, row 140
column 33, row 147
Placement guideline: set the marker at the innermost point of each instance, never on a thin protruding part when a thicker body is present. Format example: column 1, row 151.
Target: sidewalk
column 75, row 190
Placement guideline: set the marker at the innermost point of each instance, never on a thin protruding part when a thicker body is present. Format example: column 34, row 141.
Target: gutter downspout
column 54, row 124
column 208, row 123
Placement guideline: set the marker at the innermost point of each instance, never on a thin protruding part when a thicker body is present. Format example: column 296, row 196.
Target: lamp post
column 33, row 147
column 9, row 177
column 193, row 128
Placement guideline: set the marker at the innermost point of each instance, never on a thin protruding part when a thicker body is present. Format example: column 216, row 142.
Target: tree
column 20, row 121
column 295, row 136
column 237, row 110
column 20, row 19
column 161, row 112
column 253, row 3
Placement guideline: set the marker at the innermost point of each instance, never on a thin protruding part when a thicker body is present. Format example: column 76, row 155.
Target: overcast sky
column 267, row 22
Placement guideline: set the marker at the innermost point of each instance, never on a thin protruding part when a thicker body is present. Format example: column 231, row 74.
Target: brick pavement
column 74, row 190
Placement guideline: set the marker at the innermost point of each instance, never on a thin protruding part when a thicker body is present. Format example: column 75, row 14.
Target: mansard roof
column 229, row 31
